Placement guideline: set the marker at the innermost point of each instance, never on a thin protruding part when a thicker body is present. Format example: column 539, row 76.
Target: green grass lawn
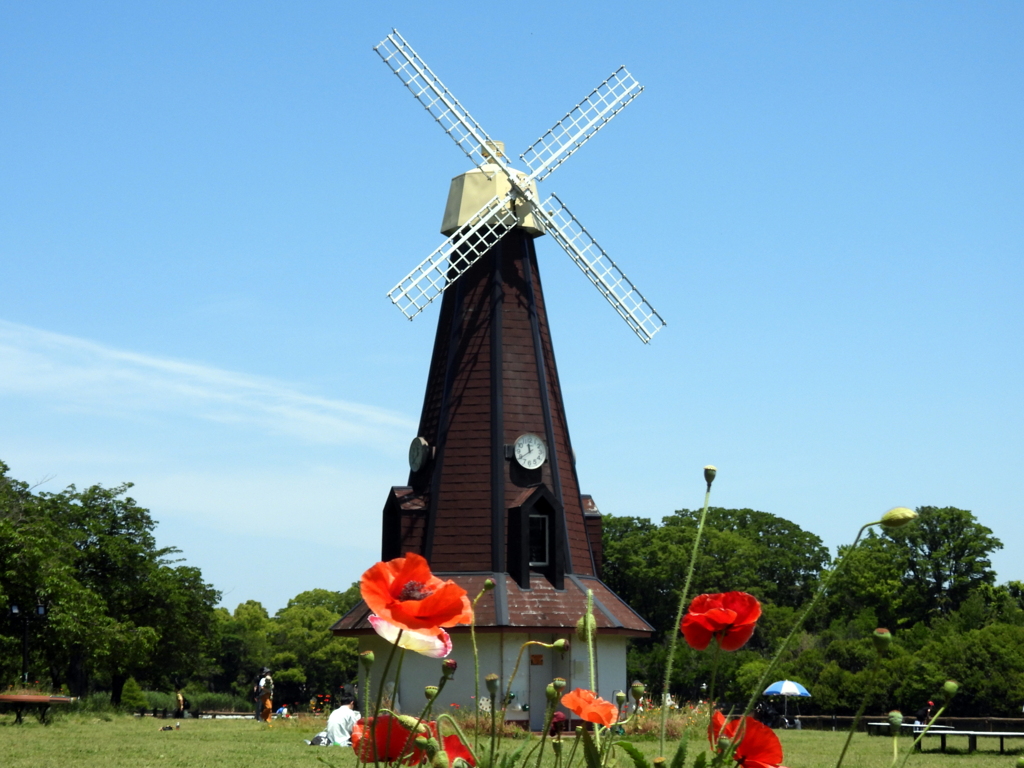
column 77, row 741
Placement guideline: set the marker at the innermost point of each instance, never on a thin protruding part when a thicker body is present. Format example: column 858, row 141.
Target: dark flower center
column 415, row 590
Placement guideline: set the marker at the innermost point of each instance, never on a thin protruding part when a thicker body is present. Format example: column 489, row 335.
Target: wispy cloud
column 77, row 374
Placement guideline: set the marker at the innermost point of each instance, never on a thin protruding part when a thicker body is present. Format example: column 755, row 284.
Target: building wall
column 498, row 652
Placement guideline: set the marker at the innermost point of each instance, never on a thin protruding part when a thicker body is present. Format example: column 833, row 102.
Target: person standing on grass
column 266, row 689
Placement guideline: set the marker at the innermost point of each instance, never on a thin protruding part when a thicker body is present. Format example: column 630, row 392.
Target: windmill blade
column 453, row 257
column 583, row 121
column 583, row 249
column 438, row 100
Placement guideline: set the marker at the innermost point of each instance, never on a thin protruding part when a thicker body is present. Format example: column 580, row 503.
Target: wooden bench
column 21, row 701
column 883, row 728
column 213, row 714
column 972, row 738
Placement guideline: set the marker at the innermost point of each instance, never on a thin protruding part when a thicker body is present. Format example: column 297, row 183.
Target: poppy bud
column 461, row 763
column 430, row 692
column 637, row 689
column 448, row 667
column 366, row 659
column 949, row 689
column 586, row 627
column 709, row 475
column 492, row 684
column 440, row 759
column 420, row 742
column 659, row 762
column 897, row 517
column 895, row 719
column 620, row 697
column 433, row 749
column 556, row 746
column 561, row 644
column 1020, row 762
column 559, row 683
column 551, row 692
column 881, row 637
column 579, row 730
column 488, row 585
column 413, row 724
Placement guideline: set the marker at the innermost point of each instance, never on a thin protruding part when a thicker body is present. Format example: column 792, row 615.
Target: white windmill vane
column 513, row 200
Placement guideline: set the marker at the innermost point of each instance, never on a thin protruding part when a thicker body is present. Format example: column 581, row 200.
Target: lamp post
column 17, row 614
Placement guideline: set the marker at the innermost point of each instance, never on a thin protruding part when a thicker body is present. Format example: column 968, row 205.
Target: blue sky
column 202, row 207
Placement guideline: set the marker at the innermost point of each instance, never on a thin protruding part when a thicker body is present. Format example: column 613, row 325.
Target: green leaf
column 679, row 759
column 508, row 760
column 701, row 761
column 590, row 753
column 638, row 758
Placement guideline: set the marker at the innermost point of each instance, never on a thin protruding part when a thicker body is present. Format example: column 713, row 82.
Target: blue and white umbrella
column 786, row 688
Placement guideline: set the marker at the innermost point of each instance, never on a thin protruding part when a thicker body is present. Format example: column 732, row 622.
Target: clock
column 419, row 452
column 530, row 451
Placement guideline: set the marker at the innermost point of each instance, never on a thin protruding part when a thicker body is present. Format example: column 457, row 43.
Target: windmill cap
column 494, row 149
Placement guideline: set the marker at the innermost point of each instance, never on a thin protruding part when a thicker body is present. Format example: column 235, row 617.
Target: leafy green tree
column 756, row 552
column 947, row 557
column 308, row 659
column 117, row 605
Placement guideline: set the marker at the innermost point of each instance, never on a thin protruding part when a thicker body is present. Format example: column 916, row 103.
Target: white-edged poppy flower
column 436, row 645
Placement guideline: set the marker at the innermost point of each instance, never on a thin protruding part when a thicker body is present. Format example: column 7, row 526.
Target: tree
column 756, row 552
column 947, row 557
column 118, row 606
column 742, row 549
column 308, row 659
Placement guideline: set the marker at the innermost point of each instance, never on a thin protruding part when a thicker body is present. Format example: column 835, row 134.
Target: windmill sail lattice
column 447, row 263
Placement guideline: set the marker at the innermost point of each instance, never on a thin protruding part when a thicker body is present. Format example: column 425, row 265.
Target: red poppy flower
column 588, row 706
column 390, row 735
column 729, row 617
column 759, row 747
column 404, row 592
column 454, row 747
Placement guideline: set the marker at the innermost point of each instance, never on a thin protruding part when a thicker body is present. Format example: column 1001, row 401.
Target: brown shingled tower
column 472, row 508
column 492, row 490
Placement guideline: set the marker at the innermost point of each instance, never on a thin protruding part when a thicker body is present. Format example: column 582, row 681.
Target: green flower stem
column 458, row 730
column 380, row 698
column 572, row 752
column 589, row 622
column 860, row 712
column 714, row 675
column 366, row 700
column 494, row 729
column 800, row 622
column 549, row 713
column 424, row 715
column 394, row 693
column 895, row 746
column 921, row 735
column 508, row 689
column 679, row 618
column 476, row 671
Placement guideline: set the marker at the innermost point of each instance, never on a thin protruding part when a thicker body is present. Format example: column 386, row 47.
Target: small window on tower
column 539, row 540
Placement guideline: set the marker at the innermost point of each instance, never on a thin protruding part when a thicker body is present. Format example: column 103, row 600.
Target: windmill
column 515, row 201
column 492, row 489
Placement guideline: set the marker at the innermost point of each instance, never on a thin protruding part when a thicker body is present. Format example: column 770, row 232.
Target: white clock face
column 530, row 451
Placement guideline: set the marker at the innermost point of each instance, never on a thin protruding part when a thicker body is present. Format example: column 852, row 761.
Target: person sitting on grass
column 339, row 725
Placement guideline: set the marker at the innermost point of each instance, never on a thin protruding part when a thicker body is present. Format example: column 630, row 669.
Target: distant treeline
column 117, row 607
column 931, row 583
